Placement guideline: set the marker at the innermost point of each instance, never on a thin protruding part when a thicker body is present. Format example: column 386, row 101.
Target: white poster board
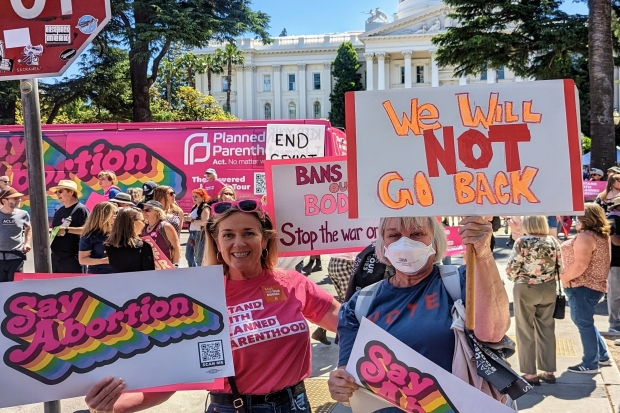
column 377, row 358
column 290, row 141
column 309, row 204
column 494, row 149
column 154, row 328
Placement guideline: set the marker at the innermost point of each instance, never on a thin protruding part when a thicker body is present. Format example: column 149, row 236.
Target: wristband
column 99, row 411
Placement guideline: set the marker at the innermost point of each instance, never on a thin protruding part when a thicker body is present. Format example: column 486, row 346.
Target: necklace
column 150, row 228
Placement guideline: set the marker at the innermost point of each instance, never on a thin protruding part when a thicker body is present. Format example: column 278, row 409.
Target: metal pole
column 36, row 187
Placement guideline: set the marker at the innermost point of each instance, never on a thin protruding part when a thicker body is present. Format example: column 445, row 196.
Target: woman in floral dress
column 534, row 265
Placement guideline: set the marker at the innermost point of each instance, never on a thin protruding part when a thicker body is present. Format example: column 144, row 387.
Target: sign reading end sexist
column 497, row 149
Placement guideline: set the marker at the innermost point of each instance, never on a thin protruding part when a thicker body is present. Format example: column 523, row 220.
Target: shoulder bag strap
column 451, row 280
column 364, row 299
column 238, row 402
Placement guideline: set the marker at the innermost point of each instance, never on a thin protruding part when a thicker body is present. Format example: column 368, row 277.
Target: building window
column 224, row 84
column 316, row 78
column 226, row 107
column 267, row 83
column 419, row 74
column 500, row 73
column 402, row 75
column 267, row 111
column 291, row 82
column 292, row 110
column 317, row 110
column 483, row 75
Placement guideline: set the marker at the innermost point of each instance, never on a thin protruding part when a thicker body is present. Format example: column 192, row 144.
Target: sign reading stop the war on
column 496, row 149
column 41, row 38
column 308, row 201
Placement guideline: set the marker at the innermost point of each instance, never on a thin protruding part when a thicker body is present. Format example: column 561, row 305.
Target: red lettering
column 392, row 315
column 435, row 152
column 412, row 307
column 466, row 144
column 511, row 135
column 431, row 301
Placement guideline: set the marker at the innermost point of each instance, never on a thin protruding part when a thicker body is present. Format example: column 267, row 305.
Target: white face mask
column 409, row 256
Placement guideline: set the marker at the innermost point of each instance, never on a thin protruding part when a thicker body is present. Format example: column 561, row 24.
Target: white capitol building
column 291, row 78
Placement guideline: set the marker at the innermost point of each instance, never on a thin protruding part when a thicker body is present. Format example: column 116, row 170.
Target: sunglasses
column 228, row 194
column 171, row 193
column 59, row 191
column 147, row 210
column 246, row 205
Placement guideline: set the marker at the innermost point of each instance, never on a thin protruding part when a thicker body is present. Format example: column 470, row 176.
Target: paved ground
column 573, row 392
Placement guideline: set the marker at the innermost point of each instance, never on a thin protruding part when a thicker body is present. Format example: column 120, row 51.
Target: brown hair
column 123, row 233
column 611, row 180
column 160, row 194
column 267, row 231
column 594, row 220
column 109, row 175
column 99, row 219
column 136, row 194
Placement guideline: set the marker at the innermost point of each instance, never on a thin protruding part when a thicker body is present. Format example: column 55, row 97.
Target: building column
column 518, row 79
column 388, row 72
column 370, row 73
column 463, row 80
column 407, row 69
column 249, row 102
column 277, row 92
column 491, row 76
column 434, row 70
column 327, row 86
column 302, row 91
column 240, row 99
column 199, row 87
column 381, row 72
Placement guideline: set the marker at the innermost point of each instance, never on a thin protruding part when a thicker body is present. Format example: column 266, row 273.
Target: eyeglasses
column 246, row 205
column 228, row 194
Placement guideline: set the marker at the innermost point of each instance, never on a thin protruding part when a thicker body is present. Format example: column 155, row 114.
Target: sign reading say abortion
column 497, row 149
column 308, row 200
column 59, row 337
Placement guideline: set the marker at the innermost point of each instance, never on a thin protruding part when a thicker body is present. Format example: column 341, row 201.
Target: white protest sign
column 496, row 149
column 154, row 328
column 289, row 141
column 308, row 201
column 396, row 373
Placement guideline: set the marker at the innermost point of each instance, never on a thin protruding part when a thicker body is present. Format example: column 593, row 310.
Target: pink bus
column 175, row 154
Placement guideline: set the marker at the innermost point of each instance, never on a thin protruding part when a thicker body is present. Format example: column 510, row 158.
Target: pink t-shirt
column 268, row 331
column 213, row 188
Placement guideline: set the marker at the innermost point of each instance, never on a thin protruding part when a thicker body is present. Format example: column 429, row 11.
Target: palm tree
column 213, row 64
column 231, row 55
column 170, row 70
column 601, row 67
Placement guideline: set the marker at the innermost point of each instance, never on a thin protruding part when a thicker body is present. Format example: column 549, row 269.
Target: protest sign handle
column 470, row 287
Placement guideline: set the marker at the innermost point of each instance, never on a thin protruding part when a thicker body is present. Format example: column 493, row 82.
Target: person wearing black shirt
column 66, row 242
column 126, row 251
column 613, row 279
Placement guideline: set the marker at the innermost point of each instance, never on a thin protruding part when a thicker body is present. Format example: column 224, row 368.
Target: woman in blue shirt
column 414, row 305
column 96, row 231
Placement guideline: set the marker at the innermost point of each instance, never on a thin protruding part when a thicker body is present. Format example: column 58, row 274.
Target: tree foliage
column 344, row 69
column 283, row 33
column 9, row 93
column 230, row 55
column 197, row 106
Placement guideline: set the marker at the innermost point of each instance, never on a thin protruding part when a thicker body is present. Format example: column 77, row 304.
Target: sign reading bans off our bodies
column 291, row 141
column 496, row 149
column 308, row 200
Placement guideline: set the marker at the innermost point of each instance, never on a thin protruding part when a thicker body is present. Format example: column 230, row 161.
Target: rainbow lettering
column 78, row 331
column 405, row 387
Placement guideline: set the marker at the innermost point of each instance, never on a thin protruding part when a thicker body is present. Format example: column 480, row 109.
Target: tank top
column 595, row 276
column 160, row 239
column 174, row 219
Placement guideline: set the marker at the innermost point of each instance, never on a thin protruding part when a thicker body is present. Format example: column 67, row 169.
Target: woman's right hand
column 341, row 385
column 104, row 394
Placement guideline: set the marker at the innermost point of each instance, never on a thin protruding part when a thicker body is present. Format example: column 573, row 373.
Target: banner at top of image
column 496, row 149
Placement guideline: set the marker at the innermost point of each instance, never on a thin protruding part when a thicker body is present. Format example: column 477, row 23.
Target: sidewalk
column 571, row 394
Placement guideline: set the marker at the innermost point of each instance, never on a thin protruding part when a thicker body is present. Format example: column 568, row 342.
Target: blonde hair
column 440, row 241
column 611, row 180
column 136, row 194
column 109, row 175
column 160, row 194
column 535, row 225
column 211, row 253
column 229, row 187
column 594, row 220
column 99, row 219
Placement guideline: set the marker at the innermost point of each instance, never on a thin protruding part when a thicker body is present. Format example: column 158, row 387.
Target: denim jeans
column 298, row 404
column 189, row 249
column 582, row 301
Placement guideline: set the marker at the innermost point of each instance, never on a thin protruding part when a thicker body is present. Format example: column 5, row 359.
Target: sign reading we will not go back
column 497, row 149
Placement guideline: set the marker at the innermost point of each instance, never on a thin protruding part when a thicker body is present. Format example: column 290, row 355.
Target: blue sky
column 329, row 16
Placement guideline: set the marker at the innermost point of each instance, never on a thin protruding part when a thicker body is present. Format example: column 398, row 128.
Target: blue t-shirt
column 113, row 192
column 94, row 243
column 419, row 316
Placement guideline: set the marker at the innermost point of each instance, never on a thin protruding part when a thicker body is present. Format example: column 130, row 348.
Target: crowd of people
column 403, row 266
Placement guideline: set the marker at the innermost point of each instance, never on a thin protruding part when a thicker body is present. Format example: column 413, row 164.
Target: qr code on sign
column 211, row 353
column 260, row 186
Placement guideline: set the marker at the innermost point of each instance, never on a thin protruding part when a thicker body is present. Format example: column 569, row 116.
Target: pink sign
column 455, row 245
column 161, row 261
column 93, row 199
column 592, row 188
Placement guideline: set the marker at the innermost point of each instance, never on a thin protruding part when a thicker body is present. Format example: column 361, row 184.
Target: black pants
column 65, row 264
column 8, row 268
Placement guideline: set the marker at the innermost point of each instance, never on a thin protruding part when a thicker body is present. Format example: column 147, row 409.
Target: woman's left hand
column 477, row 231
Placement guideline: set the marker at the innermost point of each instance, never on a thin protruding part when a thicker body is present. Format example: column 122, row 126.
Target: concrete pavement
column 573, row 392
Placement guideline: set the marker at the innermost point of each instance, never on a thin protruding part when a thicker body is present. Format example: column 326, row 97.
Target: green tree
column 344, row 69
column 9, row 94
column 230, row 55
column 197, row 106
column 214, row 65
column 148, row 29
column 170, row 71
column 283, row 33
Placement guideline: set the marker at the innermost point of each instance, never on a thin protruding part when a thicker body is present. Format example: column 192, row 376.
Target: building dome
column 409, row 7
